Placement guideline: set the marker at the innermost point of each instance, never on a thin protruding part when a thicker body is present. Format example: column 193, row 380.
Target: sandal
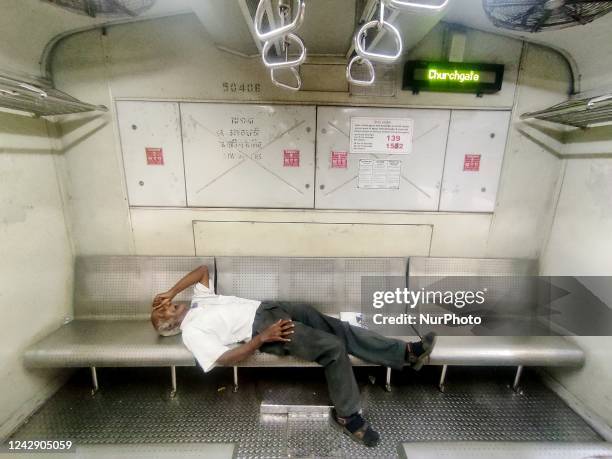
column 357, row 428
column 427, row 343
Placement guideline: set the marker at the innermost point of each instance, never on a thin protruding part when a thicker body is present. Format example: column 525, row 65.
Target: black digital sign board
column 464, row 77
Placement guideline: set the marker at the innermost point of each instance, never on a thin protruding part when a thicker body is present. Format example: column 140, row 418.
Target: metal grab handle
column 298, row 5
column 378, row 57
column 285, row 63
column 380, row 24
column 417, row 7
column 38, row 91
column 369, row 66
column 280, row 84
column 596, row 100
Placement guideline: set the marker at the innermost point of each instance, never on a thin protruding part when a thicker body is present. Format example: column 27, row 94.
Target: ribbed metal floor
column 133, row 407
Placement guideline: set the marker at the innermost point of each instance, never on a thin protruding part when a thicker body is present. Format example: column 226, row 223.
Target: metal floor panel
column 133, row 407
column 137, row 451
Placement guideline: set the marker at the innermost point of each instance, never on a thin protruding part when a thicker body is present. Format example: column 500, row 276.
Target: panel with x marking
column 239, row 155
column 339, row 172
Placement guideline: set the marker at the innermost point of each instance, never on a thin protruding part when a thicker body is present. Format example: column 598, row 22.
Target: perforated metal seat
column 504, row 450
column 108, row 343
column 130, row 343
column 505, row 351
column 113, row 299
column 504, row 278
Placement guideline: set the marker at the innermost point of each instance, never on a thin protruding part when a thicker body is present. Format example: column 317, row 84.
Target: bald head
column 167, row 318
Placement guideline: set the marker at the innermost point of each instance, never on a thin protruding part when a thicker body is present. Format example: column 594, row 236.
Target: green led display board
column 474, row 78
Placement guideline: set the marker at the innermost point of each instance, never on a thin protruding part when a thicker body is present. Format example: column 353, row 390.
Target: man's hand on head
column 162, row 299
column 278, row 331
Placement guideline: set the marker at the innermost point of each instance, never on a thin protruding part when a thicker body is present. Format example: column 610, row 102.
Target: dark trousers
column 328, row 341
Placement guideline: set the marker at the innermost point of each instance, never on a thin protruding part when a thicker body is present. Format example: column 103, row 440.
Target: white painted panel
column 35, row 255
column 474, row 156
column 421, row 170
column 310, row 239
column 236, row 155
column 169, row 231
column 147, row 128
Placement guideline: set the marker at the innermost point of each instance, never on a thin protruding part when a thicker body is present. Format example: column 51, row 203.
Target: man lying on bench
column 212, row 322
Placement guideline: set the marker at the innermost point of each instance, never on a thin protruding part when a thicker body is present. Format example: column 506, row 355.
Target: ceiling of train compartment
column 29, row 28
column 588, row 47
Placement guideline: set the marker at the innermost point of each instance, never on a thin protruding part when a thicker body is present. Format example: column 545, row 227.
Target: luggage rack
column 25, row 96
column 580, row 113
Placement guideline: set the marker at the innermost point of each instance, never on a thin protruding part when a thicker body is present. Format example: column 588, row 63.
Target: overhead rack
column 40, row 100
column 577, row 112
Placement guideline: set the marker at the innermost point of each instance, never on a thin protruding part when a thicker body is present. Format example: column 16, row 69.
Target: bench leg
column 442, row 378
column 517, row 378
column 94, row 381
column 235, row 379
column 388, row 380
column 173, row 377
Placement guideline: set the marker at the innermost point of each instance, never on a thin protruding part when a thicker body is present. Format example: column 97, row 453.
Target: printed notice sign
column 155, row 156
column 381, row 174
column 381, row 135
column 471, row 163
column 338, row 160
column 291, row 158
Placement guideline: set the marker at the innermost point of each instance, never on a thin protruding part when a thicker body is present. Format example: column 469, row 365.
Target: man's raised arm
column 199, row 274
column 278, row 331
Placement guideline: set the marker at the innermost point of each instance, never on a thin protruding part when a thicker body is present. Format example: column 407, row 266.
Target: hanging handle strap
column 380, row 24
column 280, row 84
column 299, row 6
column 286, row 62
column 357, row 81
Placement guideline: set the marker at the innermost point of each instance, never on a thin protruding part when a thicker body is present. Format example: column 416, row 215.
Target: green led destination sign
column 456, row 75
column 474, row 78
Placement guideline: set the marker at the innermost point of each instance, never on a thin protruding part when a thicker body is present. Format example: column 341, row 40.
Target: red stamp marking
column 155, row 156
column 471, row 163
column 291, row 158
column 339, row 160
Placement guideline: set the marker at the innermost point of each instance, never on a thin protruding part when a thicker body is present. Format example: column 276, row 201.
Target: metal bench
column 112, row 304
column 332, row 285
column 112, row 307
column 112, row 301
column 505, row 278
column 504, row 450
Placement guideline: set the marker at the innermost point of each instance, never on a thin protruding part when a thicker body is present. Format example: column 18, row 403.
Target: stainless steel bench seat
column 132, row 343
column 504, row 450
column 128, row 343
column 108, row 343
column 112, row 301
column 506, row 351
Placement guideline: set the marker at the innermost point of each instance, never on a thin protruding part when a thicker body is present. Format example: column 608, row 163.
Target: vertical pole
column 94, row 381
column 517, row 378
column 442, row 378
column 173, row 377
column 235, row 379
column 388, row 380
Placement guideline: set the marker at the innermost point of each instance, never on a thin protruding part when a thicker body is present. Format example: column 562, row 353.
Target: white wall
column 27, row 26
column 35, row 262
column 588, row 46
column 174, row 58
column 580, row 244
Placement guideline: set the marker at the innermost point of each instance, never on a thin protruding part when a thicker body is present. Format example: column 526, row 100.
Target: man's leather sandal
column 357, row 428
column 428, row 343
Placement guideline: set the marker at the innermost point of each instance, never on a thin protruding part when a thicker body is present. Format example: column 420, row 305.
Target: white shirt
column 214, row 322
